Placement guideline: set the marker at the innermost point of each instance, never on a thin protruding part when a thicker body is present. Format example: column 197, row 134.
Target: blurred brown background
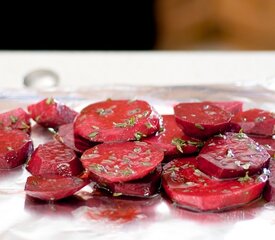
column 141, row 25
column 215, row 24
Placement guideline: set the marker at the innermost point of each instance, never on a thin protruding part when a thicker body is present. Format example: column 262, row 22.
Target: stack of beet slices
column 208, row 156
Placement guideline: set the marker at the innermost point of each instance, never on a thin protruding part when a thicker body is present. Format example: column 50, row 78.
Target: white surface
column 78, row 69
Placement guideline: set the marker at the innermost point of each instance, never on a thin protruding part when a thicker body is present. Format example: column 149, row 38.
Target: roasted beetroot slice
column 15, row 148
column 52, row 188
column 267, row 142
column 172, row 140
column 269, row 192
column 51, row 114
column 66, row 136
column 144, row 187
column 234, row 107
column 232, row 155
column 117, row 120
column 121, row 162
column 54, row 158
column 201, row 120
column 255, row 121
column 15, row 119
column 190, row 188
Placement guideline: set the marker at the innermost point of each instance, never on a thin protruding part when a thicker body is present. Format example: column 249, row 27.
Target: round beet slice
column 172, row 140
column 117, row 120
column 53, row 188
column 15, row 148
column 255, row 121
column 121, row 162
column 267, row 142
column 201, row 120
column 232, row 155
column 51, row 114
column 190, row 188
column 54, row 158
column 66, row 136
column 144, row 187
column 15, row 119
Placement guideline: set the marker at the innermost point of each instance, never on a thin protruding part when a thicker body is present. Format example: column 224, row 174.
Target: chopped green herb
column 134, row 111
column 49, row 101
column 198, row 144
column 92, row 135
column 24, row 125
column 246, row 178
column 179, row 143
column 97, row 167
column 128, row 122
column 126, row 172
column 13, row 119
column 146, row 163
column 137, row 150
column 139, row 135
column 241, row 135
column 199, row 126
column 145, row 113
column 161, row 129
column 149, row 125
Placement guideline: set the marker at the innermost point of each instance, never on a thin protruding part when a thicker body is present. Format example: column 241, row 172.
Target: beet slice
column 53, row 188
column 51, row 114
column 117, row 120
column 144, row 187
column 190, row 188
column 15, row 119
column 66, row 136
column 121, row 162
column 172, row 140
column 54, row 158
column 255, row 121
column 234, row 107
column 267, row 142
column 232, row 155
column 15, row 148
column 201, row 120
column 269, row 193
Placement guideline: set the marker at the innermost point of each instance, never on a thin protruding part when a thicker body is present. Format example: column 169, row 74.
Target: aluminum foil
column 90, row 215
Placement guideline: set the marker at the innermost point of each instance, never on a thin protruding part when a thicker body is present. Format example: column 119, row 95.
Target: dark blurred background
column 141, row 25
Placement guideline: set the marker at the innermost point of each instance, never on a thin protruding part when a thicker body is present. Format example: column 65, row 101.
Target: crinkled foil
column 88, row 215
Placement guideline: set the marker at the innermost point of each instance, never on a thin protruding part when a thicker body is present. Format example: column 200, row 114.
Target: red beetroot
column 190, row 188
column 267, row 142
column 269, row 193
column 54, row 158
column 232, row 155
column 255, row 121
column 53, row 188
column 121, row 162
column 172, row 140
column 66, row 136
column 144, row 187
column 15, row 148
column 51, row 114
column 201, row 120
column 234, row 107
column 117, row 120
column 15, row 119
